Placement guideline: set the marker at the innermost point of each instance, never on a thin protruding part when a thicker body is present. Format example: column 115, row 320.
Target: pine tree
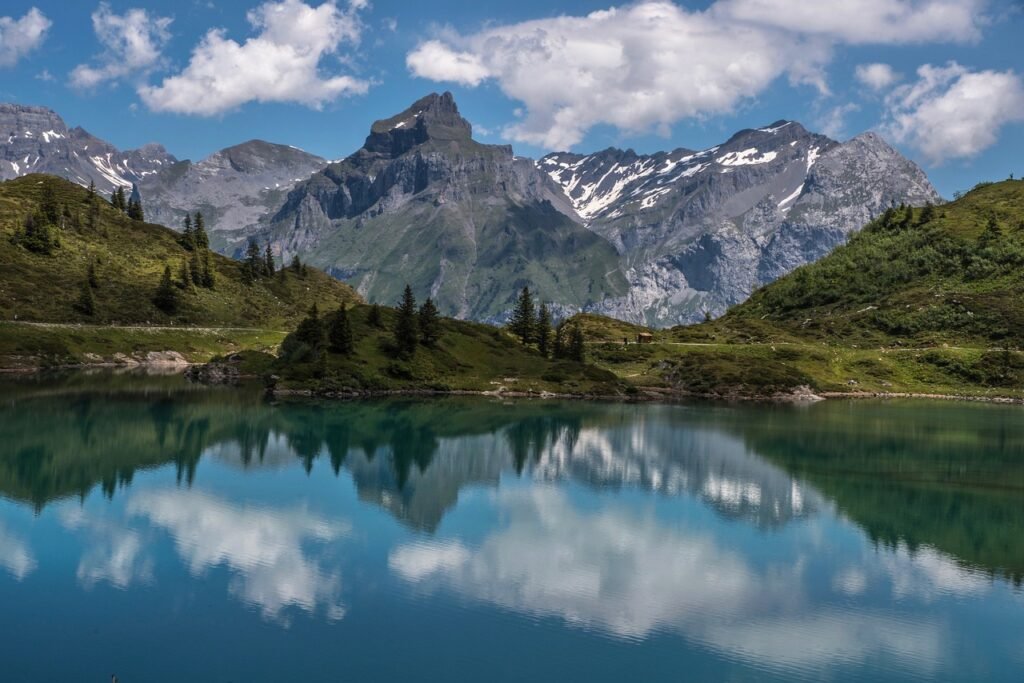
column 339, row 333
column 166, row 296
column 559, row 346
column 118, row 200
column 184, row 275
column 135, row 209
column 991, row 234
column 543, row 330
column 86, row 304
column 90, row 196
column 268, row 259
column 311, row 330
column 93, row 216
column 195, row 269
column 429, row 323
column 374, row 318
column 187, row 235
column 48, row 204
column 908, row 217
column 296, row 265
column 523, row 317
column 406, row 324
column 199, row 236
column 90, row 274
column 577, row 348
column 36, row 235
column 927, row 214
column 253, row 267
column 208, row 277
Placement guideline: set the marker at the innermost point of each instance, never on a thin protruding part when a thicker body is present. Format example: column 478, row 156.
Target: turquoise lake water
column 164, row 532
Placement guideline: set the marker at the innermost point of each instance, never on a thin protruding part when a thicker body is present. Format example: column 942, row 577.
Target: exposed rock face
column 657, row 239
column 465, row 223
column 699, row 231
column 36, row 140
column 233, row 188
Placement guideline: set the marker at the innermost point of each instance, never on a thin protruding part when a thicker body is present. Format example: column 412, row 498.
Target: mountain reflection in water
column 727, row 525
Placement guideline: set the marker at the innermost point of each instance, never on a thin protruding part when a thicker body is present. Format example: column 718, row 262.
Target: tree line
column 531, row 324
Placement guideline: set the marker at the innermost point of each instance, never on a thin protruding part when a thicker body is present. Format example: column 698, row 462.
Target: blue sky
column 939, row 78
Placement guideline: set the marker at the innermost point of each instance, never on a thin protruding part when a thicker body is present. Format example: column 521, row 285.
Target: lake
column 166, row 532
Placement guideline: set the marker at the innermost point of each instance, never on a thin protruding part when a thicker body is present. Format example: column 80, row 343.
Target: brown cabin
column 644, row 338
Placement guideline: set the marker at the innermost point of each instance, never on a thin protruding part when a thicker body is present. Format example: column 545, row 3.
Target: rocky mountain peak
column 434, row 117
column 259, row 156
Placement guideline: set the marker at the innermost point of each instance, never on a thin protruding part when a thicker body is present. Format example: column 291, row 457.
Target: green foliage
column 524, row 318
column 339, row 333
column 199, row 236
column 166, row 296
column 429, row 323
column 188, row 239
column 406, row 331
column 254, row 267
column 118, row 200
column 37, row 235
column 949, row 276
column 48, row 205
column 134, row 209
column 184, row 275
column 993, row 233
column 86, row 304
column 577, row 344
column 466, row 356
column 268, row 260
column 298, row 267
column 543, row 330
column 375, row 316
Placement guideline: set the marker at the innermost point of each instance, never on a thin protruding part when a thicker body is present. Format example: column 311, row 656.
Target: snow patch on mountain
column 747, row 156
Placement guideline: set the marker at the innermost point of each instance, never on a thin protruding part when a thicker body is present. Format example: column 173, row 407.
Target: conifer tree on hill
column 254, row 264
column 577, row 348
column 523, row 317
column 429, row 323
column 339, row 333
column 86, row 304
column 268, row 260
column 543, row 330
column 199, row 236
column 311, row 330
column 374, row 316
column 406, row 330
column 209, row 280
column 166, row 296
column 187, row 235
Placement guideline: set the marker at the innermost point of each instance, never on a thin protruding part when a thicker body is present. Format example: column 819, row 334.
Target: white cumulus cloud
column 951, row 112
column 132, row 44
column 267, row 549
column 15, row 555
column 876, row 76
column 281, row 63
column 651, row 64
column 18, row 37
column 867, row 21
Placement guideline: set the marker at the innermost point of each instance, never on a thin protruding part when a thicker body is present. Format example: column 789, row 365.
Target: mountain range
column 656, row 239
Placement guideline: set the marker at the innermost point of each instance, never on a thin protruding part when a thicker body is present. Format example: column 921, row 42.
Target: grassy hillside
column 128, row 259
column 948, row 275
column 467, row 357
column 923, row 300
